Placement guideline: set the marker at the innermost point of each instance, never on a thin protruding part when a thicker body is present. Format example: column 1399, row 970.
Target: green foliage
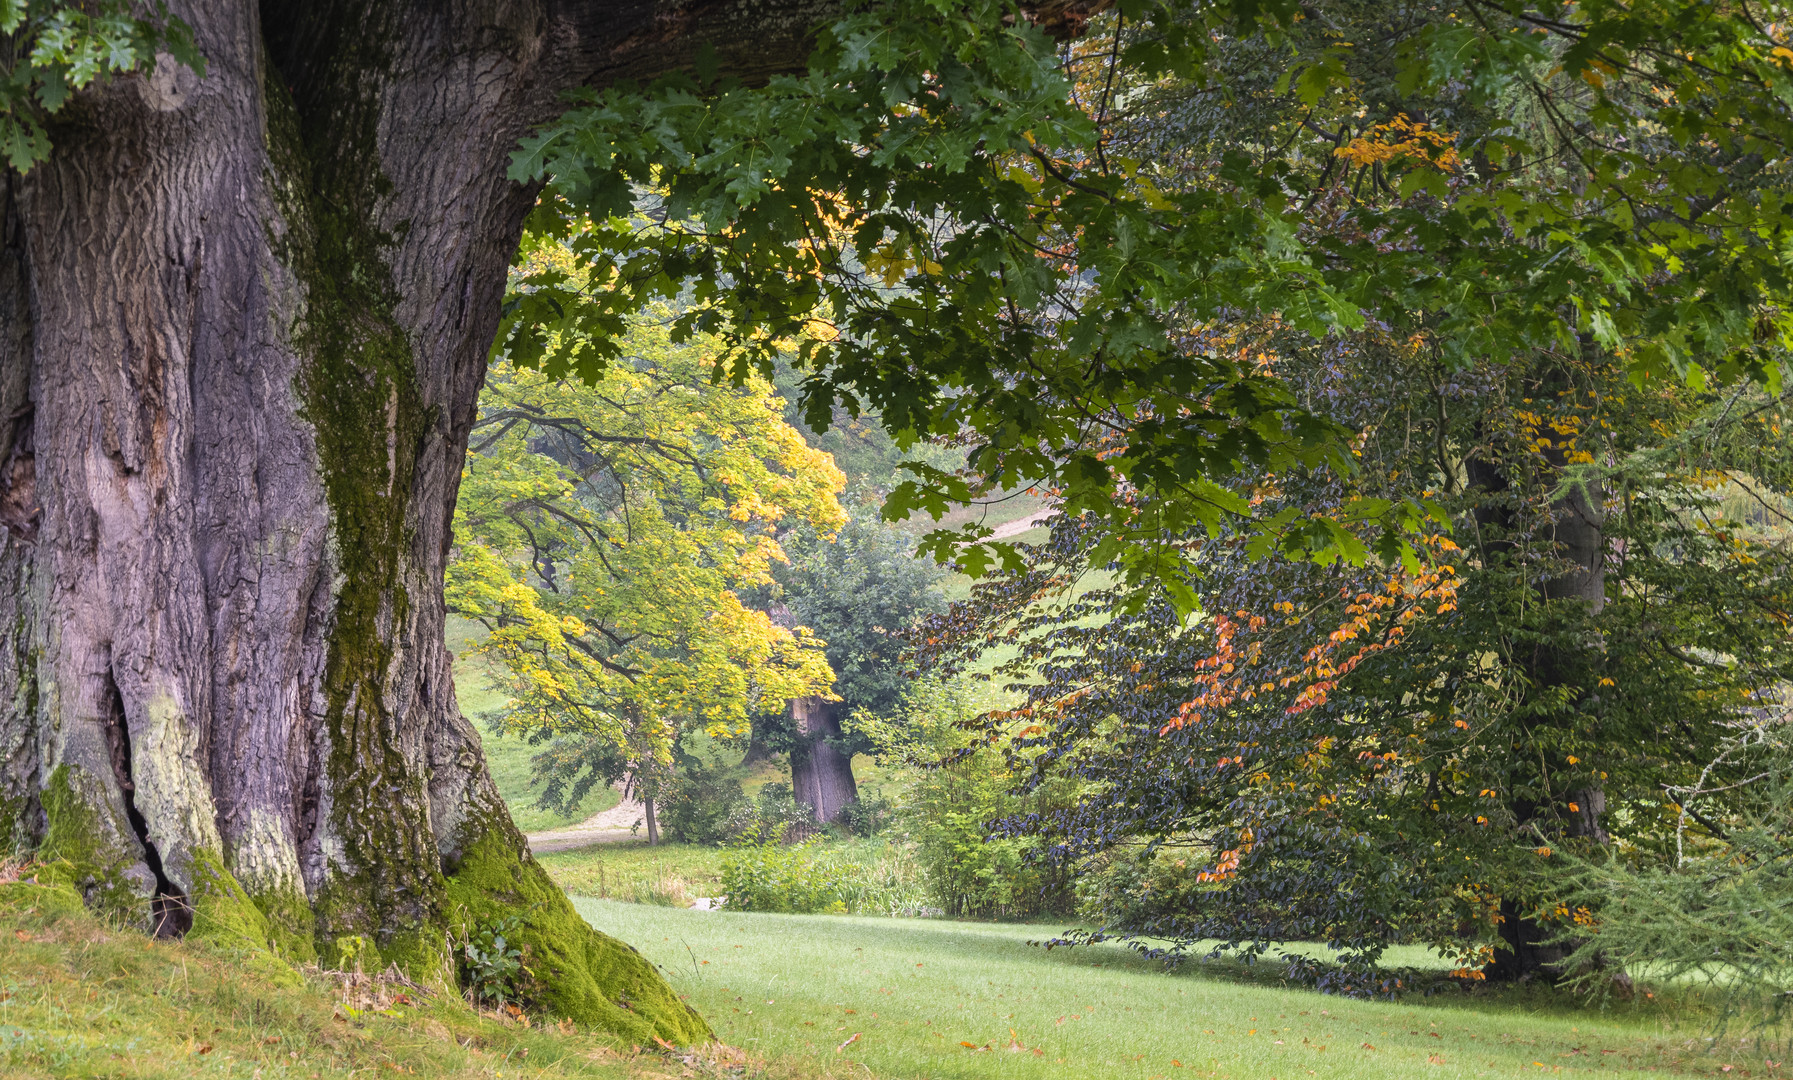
column 776, row 810
column 492, row 965
column 870, row 814
column 604, row 536
column 814, row 876
column 58, row 48
column 859, row 589
column 1372, row 755
column 769, row 876
column 954, row 809
column 705, row 807
column 1722, row 915
column 945, row 220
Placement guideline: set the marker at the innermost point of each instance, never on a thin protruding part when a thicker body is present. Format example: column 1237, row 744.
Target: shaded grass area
column 938, row 999
column 509, row 761
column 81, row 999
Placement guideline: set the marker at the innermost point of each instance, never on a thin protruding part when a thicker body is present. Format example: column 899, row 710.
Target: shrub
column 949, row 811
column 969, row 871
column 780, row 815
column 767, row 876
column 705, row 807
column 868, row 815
column 492, row 964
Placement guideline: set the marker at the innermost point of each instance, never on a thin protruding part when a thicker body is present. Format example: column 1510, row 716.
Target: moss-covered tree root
column 578, row 972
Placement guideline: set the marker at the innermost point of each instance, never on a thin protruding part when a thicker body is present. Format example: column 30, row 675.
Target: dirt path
column 1021, row 525
column 603, row 827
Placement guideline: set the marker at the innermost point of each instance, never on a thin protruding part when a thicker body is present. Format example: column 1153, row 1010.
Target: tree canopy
column 939, row 212
column 1473, row 307
column 604, row 536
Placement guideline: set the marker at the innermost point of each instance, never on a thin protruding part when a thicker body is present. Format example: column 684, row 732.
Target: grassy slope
column 671, row 874
column 508, row 759
column 79, row 999
column 915, row 991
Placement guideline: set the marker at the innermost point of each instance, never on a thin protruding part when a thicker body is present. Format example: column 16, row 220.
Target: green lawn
column 944, row 1000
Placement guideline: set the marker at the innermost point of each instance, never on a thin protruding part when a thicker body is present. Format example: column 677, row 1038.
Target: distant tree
column 603, row 535
column 857, row 590
column 1384, row 753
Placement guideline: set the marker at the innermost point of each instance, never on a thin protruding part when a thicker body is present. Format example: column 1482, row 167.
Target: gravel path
column 1021, row 525
column 603, row 827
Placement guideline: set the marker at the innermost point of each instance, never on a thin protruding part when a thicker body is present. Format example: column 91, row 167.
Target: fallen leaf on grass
column 1367, row 1046
column 851, row 1039
column 21, row 935
column 1434, row 1059
column 205, row 1048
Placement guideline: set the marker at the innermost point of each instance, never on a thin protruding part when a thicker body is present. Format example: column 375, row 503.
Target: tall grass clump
column 812, row 876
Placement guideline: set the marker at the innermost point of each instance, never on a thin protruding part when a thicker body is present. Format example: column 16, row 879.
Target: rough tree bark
column 243, row 325
column 821, row 775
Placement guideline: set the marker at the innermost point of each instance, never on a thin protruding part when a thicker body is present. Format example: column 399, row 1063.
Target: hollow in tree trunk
column 821, row 775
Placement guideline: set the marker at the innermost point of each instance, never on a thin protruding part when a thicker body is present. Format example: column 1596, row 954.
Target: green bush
column 777, row 812
column 705, row 807
column 767, row 876
column 868, row 815
column 493, row 965
column 962, row 788
column 969, row 871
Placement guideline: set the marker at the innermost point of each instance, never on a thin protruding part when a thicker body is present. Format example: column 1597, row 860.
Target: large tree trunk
column 243, row 325
column 821, row 775
column 1578, row 535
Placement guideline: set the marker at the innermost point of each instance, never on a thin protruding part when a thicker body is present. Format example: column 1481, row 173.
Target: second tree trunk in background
column 821, row 774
